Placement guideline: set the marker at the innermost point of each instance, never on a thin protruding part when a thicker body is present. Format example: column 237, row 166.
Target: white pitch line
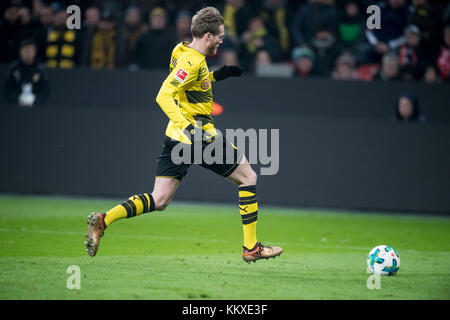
column 145, row 236
column 137, row 236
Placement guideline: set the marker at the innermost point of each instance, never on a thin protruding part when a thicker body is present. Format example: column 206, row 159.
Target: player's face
column 216, row 41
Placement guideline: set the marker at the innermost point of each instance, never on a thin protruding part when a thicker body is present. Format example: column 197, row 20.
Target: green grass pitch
column 194, row 252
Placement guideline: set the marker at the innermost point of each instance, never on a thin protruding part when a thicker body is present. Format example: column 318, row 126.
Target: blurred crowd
column 309, row 38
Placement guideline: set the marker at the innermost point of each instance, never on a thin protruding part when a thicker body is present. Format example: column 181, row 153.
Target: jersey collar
column 185, row 43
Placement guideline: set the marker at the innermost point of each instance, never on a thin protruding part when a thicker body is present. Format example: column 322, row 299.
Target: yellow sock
column 134, row 206
column 248, row 207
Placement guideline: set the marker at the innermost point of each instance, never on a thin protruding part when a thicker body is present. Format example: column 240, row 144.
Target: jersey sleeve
column 181, row 77
column 211, row 76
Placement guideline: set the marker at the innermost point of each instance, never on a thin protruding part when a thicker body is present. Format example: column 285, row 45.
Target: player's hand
column 226, row 72
column 198, row 134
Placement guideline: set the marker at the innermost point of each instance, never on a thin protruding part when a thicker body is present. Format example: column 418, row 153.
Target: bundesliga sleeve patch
column 181, row 75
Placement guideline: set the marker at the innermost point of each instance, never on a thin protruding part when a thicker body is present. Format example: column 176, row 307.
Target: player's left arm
column 225, row 72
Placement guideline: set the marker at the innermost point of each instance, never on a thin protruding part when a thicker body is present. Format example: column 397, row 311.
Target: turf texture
column 193, row 251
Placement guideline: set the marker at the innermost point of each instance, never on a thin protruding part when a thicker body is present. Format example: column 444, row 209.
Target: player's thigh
column 164, row 190
column 244, row 175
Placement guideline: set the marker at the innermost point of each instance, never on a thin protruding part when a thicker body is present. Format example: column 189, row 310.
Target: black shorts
column 165, row 167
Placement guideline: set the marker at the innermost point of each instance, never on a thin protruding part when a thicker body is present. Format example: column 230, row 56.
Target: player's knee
column 253, row 178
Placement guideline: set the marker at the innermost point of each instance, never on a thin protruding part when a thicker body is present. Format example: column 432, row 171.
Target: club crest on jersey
column 205, row 84
column 181, row 75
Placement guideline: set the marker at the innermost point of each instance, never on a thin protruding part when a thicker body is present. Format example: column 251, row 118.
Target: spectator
column 345, row 68
column 183, row 26
column 350, row 24
column 26, row 28
column 92, row 17
column 262, row 58
column 351, row 30
column 62, row 45
column 104, row 46
column 427, row 17
column 443, row 61
column 36, row 7
column 26, row 82
column 390, row 68
column 431, row 74
column 154, row 47
column 228, row 57
column 256, row 39
column 309, row 17
column 236, row 14
column 326, row 47
column 276, row 18
column 303, row 59
column 407, row 109
column 46, row 19
column 132, row 30
column 393, row 15
column 10, row 24
column 410, row 55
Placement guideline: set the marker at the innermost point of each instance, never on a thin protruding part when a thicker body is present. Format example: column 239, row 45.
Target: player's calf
column 162, row 201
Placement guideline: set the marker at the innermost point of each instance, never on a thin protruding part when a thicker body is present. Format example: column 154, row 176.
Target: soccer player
column 186, row 98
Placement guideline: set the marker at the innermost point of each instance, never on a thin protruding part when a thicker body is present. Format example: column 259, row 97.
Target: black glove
column 227, row 71
column 198, row 134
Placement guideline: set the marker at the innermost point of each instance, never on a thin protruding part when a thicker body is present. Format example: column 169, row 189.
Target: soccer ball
column 383, row 260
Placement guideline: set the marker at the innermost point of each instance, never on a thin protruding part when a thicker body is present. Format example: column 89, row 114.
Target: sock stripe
column 152, row 202
column 128, row 208
column 144, row 202
column 248, row 188
column 241, row 203
column 248, row 198
column 132, row 207
column 248, row 221
column 249, row 215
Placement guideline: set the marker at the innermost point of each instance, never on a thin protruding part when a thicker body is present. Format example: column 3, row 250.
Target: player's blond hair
column 206, row 20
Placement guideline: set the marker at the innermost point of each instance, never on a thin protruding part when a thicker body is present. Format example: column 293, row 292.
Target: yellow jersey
column 186, row 94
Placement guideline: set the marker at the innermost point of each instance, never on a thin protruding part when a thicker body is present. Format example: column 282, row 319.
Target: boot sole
column 90, row 241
